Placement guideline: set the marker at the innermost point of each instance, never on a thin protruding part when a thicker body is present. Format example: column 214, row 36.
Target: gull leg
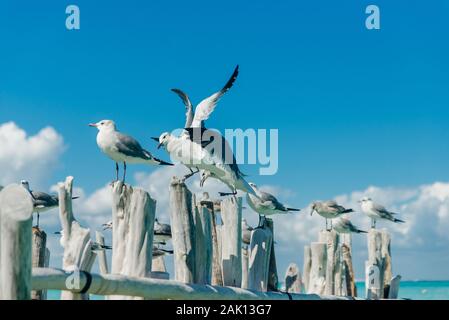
column 124, row 171
column 331, row 226
column 37, row 225
column 116, row 171
column 327, row 227
column 187, row 176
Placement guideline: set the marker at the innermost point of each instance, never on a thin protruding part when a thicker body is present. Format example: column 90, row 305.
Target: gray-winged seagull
column 344, row 225
column 41, row 201
column 376, row 211
column 265, row 204
column 329, row 210
column 121, row 147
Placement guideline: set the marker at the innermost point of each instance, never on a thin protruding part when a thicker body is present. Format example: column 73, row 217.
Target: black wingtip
column 293, row 209
column 399, row 221
column 163, row 163
column 362, row 231
column 231, row 80
column 348, row 211
column 74, row 198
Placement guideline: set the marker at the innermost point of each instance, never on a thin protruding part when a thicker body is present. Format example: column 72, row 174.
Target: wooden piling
column 348, row 269
column 317, row 282
column 273, row 280
column 231, row 251
column 293, row 279
column 259, row 257
column 245, row 258
column 307, row 264
column 39, row 242
column 331, row 261
column 203, row 245
column 16, row 209
column 183, row 231
column 374, row 266
column 133, row 214
column 102, row 258
column 78, row 254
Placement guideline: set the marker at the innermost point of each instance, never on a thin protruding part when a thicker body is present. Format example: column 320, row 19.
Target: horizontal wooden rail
column 108, row 284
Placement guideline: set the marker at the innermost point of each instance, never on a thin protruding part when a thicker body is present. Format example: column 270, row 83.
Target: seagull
column 157, row 252
column 107, row 225
column 246, row 232
column 328, row 210
column 42, row 201
column 162, row 232
column 121, row 147
column 95, row 246
column 265, row 204
column 376, row 211
column 344, row 225
column 223, row 165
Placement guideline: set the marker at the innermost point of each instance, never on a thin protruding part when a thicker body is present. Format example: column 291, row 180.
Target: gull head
column 163, row 139
column 364, row 200
column 204, row 176
column 103, row 125
column 314, row 206
column 25, row 184
column 253, row 185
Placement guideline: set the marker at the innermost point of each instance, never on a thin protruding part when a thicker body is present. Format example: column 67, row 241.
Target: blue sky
column 354, row 107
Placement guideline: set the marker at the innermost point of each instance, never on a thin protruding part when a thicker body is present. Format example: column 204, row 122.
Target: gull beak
column 155, row 139
column 159, row 145
column 203, row 179
column 93, row 125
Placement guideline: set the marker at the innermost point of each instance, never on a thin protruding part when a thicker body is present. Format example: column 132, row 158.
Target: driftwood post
column 78, row 254
column 231, row 252
column 245, row 258
column 273, row 279
column 351, row 289
column 183, row 231
column 102, row 259
column 39, row 242
column 317, row 280
column 386, row 256
column 203, row 243
column 374, row 266
column 133, row 214
column 332, row 260
column 394, row 287
column 293, row 279
column 307, row 264
column 216, row 277
column 259, row 257
column 16, row 209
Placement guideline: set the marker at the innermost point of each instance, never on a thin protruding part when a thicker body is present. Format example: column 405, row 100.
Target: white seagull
column 329, row 210
column 376, row 211
column 344, row 225
column 265, row 204
column 41, row 201
column 162, row 232
column 121, row 147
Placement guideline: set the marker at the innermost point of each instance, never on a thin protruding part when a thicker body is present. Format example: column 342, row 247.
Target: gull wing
column 189, row 108
column 270, row 200
column 131, row 147
column 207, row 106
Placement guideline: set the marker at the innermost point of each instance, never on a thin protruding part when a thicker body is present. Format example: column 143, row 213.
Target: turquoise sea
column 415, row 290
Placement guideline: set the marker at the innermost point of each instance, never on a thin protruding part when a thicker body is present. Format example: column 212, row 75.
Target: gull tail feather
column 398, row 220
column 162, row 162
column 348, row 211
column 361, row 231
column 293, row 209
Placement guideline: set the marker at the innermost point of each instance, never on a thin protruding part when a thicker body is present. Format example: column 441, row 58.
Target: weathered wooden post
column 331, row 240
column 133, row 214
column 39, row 242
column 203, row 243
column 259, row 257
column 394, row 287
column 307, row 264
column 231, row 252
column 273, row 280
column 183, row 231
column 317, row 280
column 102, row 259
column 351, row 289
column 78, row 254
column 386, row 256
column 293, row 279
column 216, row 277
column 16, row 209
column 374, row 266
column 245, row 258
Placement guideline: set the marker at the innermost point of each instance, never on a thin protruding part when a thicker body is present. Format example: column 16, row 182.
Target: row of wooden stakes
column 205, row 253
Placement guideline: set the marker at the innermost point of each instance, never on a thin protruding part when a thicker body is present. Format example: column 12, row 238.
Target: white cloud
column 28, row 157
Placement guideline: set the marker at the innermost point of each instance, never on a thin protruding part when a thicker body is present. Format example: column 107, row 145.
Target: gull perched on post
column 162, row 232
column 265, row 204
column 41, row 201
column 329, row 210
column 344, row 225
column 121, row 147
column 376, row 211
